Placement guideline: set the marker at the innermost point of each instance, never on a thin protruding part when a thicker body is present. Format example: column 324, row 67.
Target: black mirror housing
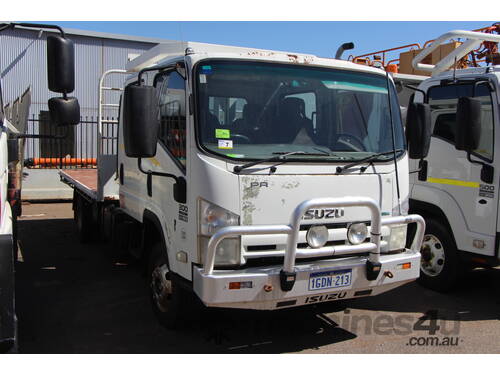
column 140, row 121
column 64, row 112
column 60, row 64
column 418, row 130
column 468, row 124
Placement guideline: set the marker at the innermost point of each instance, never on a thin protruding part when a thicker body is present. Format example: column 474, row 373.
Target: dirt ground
column 72, row 298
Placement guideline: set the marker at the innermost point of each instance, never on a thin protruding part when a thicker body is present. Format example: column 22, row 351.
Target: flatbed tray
column 83, row 179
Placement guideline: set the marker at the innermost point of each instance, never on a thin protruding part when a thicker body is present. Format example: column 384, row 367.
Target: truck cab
column 263, row 179
column 456, row 186
column 458, row 191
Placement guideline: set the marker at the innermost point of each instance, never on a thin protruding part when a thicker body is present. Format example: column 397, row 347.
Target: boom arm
column 473, row 41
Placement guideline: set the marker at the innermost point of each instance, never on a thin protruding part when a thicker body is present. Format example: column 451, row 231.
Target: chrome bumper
column 213, row 286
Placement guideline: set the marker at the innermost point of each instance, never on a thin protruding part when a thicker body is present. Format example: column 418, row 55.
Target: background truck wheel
column 168, row 299
column 83, row 219
column 440, row 264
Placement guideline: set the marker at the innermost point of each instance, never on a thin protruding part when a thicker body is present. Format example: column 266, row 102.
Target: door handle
column 483, row 201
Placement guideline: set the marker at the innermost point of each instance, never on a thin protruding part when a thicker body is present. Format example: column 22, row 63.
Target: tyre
column 83, row 219
column 169, row 301
column 440, row 265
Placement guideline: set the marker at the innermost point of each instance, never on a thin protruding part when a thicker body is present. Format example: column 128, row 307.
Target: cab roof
column 162, row 53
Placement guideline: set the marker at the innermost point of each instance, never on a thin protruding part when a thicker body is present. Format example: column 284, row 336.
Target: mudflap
column 7, row 309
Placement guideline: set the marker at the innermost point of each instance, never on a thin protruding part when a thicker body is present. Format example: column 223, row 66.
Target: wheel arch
column 152, row 232
column 429, row 210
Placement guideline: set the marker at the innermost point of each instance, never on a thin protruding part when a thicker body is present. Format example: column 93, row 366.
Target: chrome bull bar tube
column 234, row 231
column 287, row 274
column 419, row 220
column 291, row 250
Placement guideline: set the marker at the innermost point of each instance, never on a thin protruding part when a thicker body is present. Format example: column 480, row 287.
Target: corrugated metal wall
column 23, row 62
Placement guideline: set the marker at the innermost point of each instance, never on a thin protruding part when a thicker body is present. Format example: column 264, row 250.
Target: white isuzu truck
column 456, row 187
column 257, row 179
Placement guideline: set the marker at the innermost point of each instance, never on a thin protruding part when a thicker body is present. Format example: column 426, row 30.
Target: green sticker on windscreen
column 222, row 133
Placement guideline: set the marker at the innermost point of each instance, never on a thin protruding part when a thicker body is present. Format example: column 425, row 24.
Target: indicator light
column 240, row 284
column 404, row 266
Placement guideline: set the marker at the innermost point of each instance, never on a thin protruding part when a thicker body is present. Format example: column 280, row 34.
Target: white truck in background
column 455, row 188
column 13, row 119
column 7, row 314
column 256, row 179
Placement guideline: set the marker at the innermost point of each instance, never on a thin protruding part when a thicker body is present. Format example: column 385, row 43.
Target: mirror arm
column 474, row 161
column 153, row 173
column 12, row 25
column 486, row 170
column 150, row 175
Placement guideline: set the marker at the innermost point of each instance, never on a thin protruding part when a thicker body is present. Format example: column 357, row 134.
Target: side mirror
column 60, row 64
column 468, row 124
column 64, row 112
column 13, row 150
column 140, row 121
column 418, row 130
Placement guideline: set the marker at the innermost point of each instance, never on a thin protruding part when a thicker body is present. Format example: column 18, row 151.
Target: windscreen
column 252, row 110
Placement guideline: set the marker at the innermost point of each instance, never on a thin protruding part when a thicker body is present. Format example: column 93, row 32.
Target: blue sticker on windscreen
column 206, row 69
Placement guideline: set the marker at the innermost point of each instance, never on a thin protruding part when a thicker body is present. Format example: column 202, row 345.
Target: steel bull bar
column 288, row 274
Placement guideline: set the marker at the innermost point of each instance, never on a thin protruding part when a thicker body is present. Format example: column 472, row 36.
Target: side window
column 172, row 105
column 443, row 101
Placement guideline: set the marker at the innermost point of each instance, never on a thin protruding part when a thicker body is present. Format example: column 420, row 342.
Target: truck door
column 171, row 154
column 451, row 173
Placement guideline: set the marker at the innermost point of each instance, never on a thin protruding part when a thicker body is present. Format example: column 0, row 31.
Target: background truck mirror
column 418, row 130
column 60, row 64
column 468, row 124
column 140, row 121
column 64, row 111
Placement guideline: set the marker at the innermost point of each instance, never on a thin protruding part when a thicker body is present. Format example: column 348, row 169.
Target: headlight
column 317, row 236
column 357, row 233
column 397, row 241
column 212, row 218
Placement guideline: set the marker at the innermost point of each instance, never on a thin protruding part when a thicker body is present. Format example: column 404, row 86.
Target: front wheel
column 168, row 299
column 440, row 264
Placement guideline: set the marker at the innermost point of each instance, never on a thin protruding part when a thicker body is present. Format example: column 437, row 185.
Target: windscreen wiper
column 280, row 156
column 365, row 160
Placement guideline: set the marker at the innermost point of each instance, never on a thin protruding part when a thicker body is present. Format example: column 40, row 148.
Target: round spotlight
column 357, row 233
column 317, row 236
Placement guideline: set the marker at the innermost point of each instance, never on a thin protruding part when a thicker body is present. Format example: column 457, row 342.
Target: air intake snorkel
column 342, row 48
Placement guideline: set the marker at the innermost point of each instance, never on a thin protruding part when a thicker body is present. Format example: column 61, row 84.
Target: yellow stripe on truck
column 448, row 181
